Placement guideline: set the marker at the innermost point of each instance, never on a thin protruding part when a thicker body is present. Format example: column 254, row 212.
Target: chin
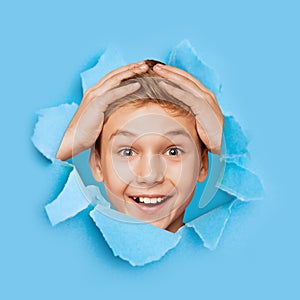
column 169, row 225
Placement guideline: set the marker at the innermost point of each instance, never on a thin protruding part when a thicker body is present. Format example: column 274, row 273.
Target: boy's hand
column 202, row 102
column 87, row 123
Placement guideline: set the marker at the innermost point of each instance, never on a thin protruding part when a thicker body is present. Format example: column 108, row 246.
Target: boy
column 149, row 127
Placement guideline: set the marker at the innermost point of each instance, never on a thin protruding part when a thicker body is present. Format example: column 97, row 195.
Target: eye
column 174, row 151
column 127, row 152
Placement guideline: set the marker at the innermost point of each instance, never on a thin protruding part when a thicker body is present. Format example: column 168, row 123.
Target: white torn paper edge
column 135, row 236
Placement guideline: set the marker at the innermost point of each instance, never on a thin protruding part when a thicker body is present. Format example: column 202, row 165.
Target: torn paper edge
column 59, row 209
column 206, row 244
column 177, row 237
column 87, row 203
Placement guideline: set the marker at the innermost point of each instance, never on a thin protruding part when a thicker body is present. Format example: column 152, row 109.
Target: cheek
column 174, row 172
column 113, row 173
column 114, row 187
column 189, row 172
column 121, row 170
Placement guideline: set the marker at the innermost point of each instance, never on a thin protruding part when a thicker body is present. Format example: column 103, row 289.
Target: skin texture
column 149, row 152
column 87, row 123
column 202, row 101
column 146, row 167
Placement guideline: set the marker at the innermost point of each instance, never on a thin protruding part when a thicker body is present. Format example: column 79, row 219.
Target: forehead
column 149, row 119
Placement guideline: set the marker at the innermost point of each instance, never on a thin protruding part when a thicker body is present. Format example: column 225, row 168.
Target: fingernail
column 158, row 67
column 143, row 67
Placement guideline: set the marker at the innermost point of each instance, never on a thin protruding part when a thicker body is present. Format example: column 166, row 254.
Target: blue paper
column 73, row 199
column 135, row 241
column 241, row 183
column 108, row 61
column 234, row 142
column 185, row 57
column 50, row 128
column 211, row 225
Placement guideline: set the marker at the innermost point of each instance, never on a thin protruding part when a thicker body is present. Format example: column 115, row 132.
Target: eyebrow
column 169, row 133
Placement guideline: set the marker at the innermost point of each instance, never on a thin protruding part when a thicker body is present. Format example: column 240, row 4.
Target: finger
column 189, row 85
column 126, row 74
column 116, row 94
column 114, row 81
column 187, row 98
column 114, row 72
column 162, row 68
column 170, row 71
column 209, row 121
column 197, row 104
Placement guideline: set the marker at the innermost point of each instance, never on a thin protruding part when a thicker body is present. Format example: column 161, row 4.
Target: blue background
column 254, row 47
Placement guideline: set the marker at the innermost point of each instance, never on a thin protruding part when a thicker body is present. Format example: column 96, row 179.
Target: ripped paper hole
column 229, row 181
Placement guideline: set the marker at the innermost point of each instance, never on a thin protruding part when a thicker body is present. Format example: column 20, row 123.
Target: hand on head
column 202, row 102
column 87, row 123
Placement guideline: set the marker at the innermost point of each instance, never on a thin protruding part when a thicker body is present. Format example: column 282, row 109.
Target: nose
column 150, row 170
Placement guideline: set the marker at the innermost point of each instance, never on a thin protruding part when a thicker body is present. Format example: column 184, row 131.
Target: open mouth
column 149, row 201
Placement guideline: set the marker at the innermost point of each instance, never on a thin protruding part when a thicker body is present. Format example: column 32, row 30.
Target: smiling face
column 150, row 161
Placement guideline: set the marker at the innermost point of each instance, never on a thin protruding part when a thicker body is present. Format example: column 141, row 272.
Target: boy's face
column 150, row 161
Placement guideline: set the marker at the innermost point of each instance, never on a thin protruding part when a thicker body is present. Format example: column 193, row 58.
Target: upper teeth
column 149, row 200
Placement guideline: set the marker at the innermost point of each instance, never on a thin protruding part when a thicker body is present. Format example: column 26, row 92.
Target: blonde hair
column 149, row 92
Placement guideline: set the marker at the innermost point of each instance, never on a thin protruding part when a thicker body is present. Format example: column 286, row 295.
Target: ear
column 204, row 165
column 95, row 164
